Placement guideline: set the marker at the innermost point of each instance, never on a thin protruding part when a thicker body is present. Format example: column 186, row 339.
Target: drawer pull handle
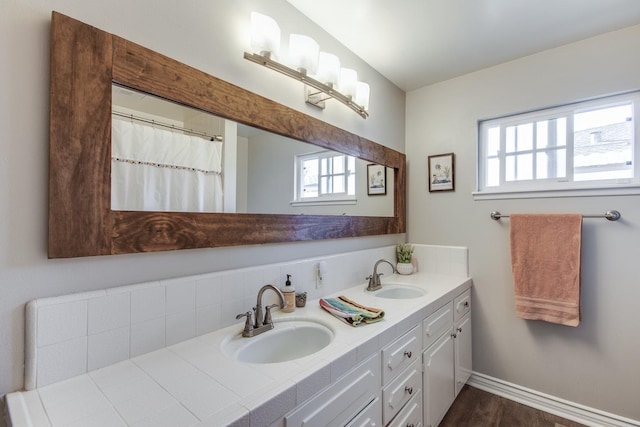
column 459, row 329
column 454, row 335
column 466, row 304
column 408, row 389
column 408, row 354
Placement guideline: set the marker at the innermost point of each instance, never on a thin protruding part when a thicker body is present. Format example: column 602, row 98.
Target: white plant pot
column 404, row 268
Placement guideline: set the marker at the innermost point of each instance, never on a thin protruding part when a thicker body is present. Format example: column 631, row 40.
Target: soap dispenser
column 289, row 293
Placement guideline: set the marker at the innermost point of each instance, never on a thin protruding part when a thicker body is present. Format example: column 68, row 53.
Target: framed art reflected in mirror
column 377, row 180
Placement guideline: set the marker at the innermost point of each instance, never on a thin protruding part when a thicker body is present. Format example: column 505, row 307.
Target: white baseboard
column 551, row 404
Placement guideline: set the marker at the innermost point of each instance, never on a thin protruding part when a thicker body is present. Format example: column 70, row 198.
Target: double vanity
column 310, row 369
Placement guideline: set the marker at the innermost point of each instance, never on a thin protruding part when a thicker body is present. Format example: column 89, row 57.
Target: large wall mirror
column 104, row 89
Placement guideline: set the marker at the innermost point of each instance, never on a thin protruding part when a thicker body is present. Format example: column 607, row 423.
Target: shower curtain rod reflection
column 173, row 127
column 610, row 215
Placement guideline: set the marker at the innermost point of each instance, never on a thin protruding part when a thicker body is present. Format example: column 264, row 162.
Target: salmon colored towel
column 545, row 261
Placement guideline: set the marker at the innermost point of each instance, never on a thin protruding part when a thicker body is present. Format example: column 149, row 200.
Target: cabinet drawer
column 435, row 325
column 462, row 305
column 337, row 404
column 411, row 415
column 401, row 390
column 369, row 417
column 400, row 354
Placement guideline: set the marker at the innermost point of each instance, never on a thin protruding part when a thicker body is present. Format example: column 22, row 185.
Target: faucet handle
column 241, row 315
column 247, row 324
column 267, row 314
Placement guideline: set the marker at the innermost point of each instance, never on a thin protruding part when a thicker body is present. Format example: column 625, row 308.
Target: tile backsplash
column 73, row 334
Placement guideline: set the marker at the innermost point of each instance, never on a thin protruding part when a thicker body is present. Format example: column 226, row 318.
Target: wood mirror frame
column 85, row 61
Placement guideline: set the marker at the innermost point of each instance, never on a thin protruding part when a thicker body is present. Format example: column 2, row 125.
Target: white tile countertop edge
column 195, row 383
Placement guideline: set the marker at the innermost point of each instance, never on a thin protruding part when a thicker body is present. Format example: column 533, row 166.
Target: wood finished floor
column 477, row 408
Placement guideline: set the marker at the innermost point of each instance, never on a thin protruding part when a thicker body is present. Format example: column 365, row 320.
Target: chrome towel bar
column 610, row 215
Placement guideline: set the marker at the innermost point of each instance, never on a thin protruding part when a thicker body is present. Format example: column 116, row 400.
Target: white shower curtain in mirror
column 153, row 169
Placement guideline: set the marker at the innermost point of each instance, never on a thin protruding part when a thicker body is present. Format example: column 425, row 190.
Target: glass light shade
column 362, row 95
column 265, row 34
column 348, row 80
column 303, row 53
column 328, row 68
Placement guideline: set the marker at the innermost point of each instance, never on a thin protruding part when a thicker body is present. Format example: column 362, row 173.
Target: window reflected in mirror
column 325, row 176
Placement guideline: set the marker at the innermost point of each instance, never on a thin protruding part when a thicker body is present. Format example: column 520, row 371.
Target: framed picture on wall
column 441, row 173
column 376, row 180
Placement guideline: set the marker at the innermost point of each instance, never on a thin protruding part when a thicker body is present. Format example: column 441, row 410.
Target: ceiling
column 414, row 43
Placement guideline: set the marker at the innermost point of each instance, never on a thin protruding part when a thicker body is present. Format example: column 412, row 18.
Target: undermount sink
column 396, row 291
column 288, row 340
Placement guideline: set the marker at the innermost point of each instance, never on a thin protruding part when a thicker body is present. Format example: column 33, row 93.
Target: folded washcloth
column 351, row 312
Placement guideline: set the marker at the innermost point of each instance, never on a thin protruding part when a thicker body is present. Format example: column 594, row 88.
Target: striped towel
column 351, row 312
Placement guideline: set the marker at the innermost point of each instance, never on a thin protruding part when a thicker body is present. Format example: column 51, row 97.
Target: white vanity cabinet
column 447, row 356
column 352, row 400
column 420, row 374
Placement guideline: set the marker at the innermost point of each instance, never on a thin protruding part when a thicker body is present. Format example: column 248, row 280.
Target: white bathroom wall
column 207, row 34
column 595, row 364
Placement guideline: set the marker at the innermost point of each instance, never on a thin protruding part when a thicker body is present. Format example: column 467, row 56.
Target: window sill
column 613, row 190
column 332, row 202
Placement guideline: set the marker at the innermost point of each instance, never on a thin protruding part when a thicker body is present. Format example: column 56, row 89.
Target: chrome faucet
column 374, row 279
column 259, row 325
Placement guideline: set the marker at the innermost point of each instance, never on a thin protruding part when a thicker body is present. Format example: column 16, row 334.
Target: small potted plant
column 404, row 254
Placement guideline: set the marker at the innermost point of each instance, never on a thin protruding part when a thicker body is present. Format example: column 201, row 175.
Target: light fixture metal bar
column 315, row 97
column 295, row 74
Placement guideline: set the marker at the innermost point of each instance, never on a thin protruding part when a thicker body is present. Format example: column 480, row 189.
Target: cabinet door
column 463, row 351
column 438, row 391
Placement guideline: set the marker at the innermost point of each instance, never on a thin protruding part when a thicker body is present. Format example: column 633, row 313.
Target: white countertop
column 195, row 383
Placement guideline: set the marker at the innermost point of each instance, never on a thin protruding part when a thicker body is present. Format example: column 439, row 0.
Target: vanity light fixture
column 319, row 71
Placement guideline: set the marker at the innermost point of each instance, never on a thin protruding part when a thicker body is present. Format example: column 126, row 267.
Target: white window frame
column 343, row 198
column 556, row 187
